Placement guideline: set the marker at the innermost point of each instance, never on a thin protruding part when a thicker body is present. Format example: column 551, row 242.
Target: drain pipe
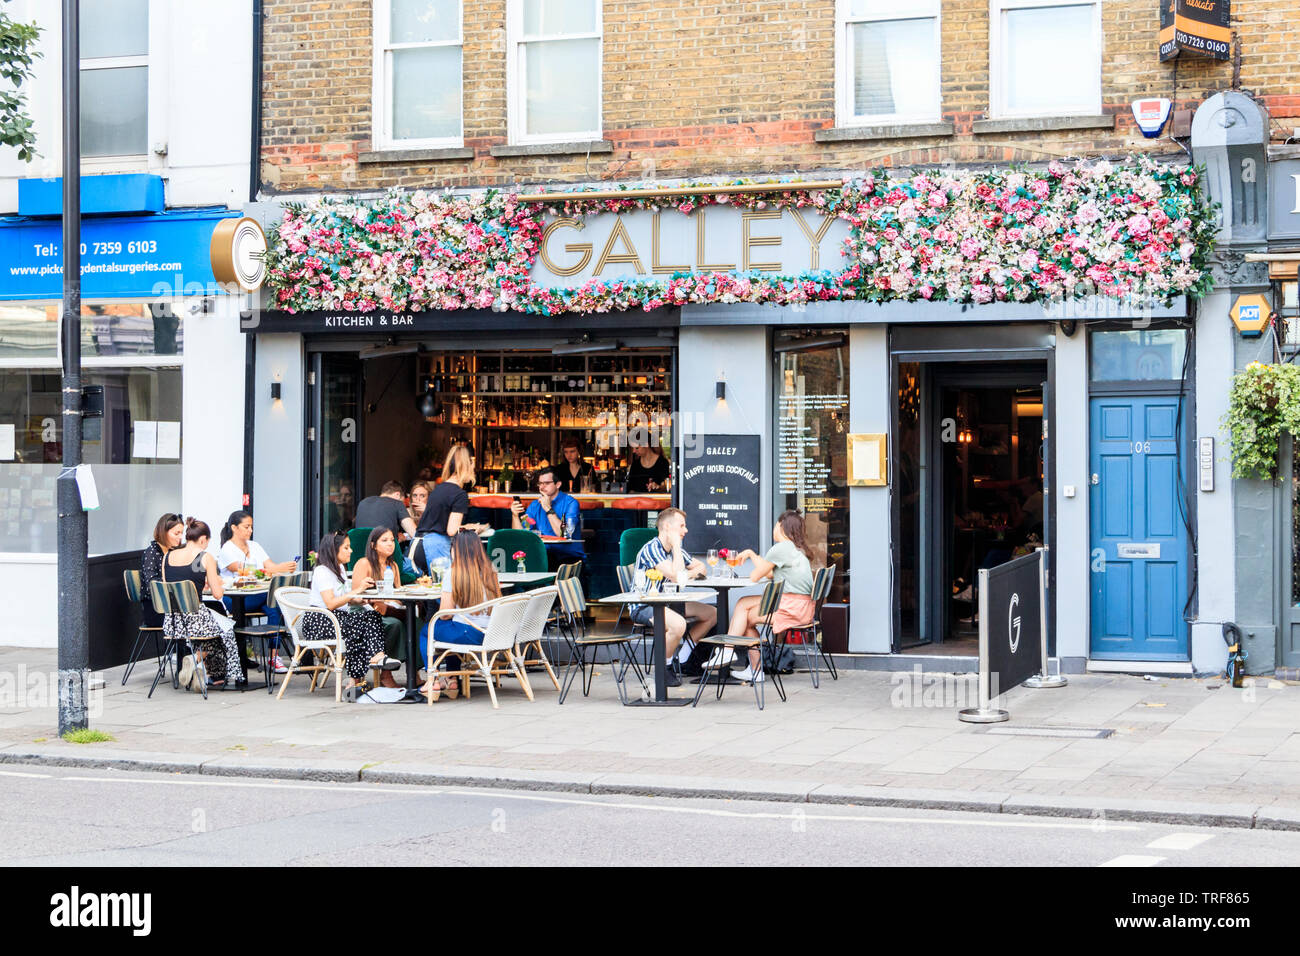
column 254, row 175
column 255, row 137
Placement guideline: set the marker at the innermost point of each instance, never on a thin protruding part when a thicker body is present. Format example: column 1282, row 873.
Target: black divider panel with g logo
column 1013, row 623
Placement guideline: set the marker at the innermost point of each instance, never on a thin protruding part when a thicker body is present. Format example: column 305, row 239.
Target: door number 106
column 1141, row 448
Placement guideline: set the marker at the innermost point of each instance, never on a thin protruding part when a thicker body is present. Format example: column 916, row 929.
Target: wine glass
column 733, row 561
column 711, row 559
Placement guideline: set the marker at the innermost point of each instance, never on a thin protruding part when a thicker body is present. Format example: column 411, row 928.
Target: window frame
column 381, row 124
column 156, row 91
column 18, row 362
column 844, row 114
column 516, row 94
column 998, row 82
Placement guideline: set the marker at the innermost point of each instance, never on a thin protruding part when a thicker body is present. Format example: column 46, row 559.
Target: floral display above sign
column 1135, row 229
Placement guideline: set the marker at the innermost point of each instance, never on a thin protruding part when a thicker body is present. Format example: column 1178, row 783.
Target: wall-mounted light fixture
column 721, row 389
column 275, row 391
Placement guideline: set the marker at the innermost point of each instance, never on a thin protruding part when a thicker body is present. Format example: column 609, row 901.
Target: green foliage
column 17, row 52
column 88, row 736
column 1263, row 404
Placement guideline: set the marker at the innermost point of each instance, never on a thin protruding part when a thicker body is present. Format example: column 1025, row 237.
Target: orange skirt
column 795, row 610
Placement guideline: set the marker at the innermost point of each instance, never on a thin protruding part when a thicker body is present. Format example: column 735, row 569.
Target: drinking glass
column 711, row 559
column 640, row 582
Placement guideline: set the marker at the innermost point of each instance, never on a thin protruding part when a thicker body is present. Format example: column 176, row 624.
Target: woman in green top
column 788, row 560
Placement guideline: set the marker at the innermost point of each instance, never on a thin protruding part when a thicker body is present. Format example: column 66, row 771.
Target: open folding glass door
column 334, row 440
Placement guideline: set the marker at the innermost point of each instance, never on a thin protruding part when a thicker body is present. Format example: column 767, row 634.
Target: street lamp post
column 74, row 616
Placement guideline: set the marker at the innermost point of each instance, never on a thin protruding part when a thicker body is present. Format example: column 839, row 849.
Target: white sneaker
column 721, row 658
column 277, row 666
column 748, row 675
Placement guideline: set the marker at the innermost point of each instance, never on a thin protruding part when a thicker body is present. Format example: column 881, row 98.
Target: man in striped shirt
column 664, row 553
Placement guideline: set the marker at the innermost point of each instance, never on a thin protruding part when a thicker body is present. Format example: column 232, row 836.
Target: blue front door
column 1139, row 541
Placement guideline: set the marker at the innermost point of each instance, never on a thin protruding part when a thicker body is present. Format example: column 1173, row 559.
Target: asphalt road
column 72, row 817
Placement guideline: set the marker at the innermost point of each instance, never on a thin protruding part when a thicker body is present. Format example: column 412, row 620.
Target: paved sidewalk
column 1179, row 748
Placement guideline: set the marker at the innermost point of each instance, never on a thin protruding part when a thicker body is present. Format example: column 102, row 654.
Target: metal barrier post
column 1045, row 679
column 985, row 713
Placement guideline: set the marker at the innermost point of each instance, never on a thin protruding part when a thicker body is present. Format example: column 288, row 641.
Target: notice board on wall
column 720, row 493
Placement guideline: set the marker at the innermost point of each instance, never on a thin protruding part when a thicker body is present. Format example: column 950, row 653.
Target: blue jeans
column 256, row 604
column 450, row 632
column 436, row 546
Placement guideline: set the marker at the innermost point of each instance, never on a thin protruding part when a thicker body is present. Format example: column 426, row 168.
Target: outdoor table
column 527, row 577
column 724, row 586
column 237, row 597
column 658, row 601
column 409, row 597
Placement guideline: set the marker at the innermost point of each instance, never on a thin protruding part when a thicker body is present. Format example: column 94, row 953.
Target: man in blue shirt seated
column 555, row 513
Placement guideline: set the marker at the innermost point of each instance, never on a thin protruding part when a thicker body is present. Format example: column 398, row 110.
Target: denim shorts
column 643, row 614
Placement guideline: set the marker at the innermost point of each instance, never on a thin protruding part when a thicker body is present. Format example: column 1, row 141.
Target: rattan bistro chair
column 498, row 642
column 327, row 654
column 135, row 594
column 767, row 606
column 810, row 635
column 573, row 608
column 177, row 597
column 532, row 631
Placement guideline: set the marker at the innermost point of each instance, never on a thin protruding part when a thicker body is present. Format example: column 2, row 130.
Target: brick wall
column 696, row 88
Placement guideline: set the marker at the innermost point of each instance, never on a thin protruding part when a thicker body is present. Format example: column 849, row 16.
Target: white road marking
column 1021, row 824
column 17, row 773
column 1131, row 860
column 1179, row 841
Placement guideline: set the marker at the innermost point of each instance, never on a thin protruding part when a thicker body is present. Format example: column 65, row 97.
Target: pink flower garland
column 1137, row 228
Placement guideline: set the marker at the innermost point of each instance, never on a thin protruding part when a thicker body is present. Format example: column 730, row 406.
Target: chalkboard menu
column 720, row 490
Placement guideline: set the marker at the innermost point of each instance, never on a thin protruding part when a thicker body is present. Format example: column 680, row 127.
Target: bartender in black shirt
column 648, row 470
column 573, row 469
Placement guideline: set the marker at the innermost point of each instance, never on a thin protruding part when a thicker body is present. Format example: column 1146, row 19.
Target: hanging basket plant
column 1264, row 403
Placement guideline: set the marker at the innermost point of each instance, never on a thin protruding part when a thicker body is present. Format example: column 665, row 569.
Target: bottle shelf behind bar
column 482, row 397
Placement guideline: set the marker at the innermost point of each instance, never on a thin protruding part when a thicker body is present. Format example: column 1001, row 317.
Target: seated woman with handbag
column 361, row 626
column 470, row 581
column 789, row 561
column 211, row 635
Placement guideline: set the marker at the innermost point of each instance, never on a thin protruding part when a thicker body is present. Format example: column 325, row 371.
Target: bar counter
column 604, row 519
column 587, row 502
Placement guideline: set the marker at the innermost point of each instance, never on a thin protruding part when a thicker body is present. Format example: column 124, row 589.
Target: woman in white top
column 363, row 631
column 470, row 581
column 239, row 551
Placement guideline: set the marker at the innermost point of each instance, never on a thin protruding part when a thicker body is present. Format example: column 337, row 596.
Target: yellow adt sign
column 1250, row 313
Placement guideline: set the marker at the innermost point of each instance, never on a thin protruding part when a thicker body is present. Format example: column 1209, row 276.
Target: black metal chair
column 135, row 593
column 767, row 606
column 177, row 597
column 573, row 609
column 267, row 636
column 810, row 635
